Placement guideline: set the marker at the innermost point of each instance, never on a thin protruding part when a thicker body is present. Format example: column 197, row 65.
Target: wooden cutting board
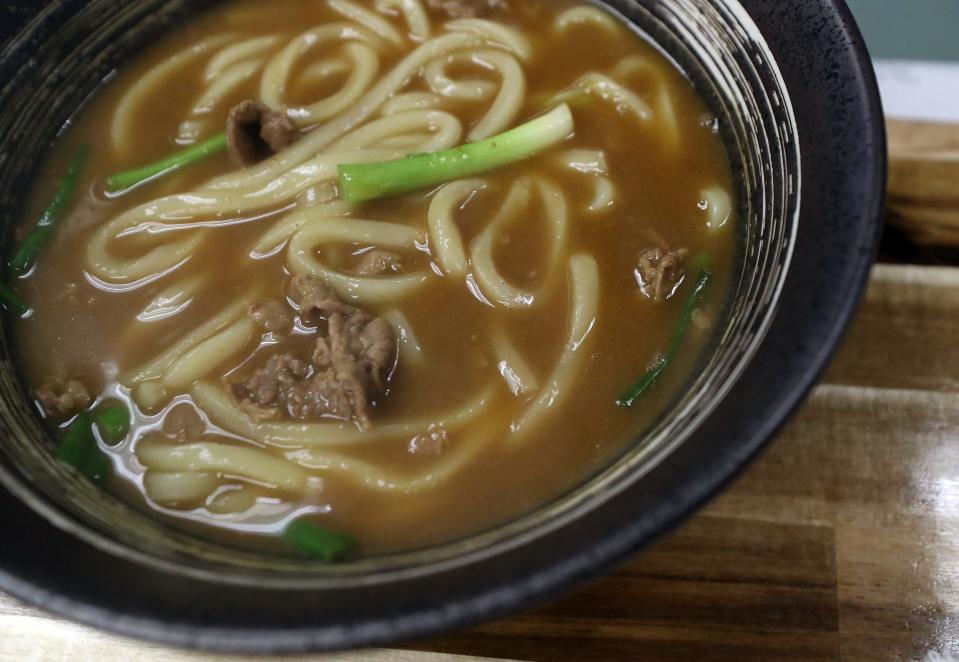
column 840, row 542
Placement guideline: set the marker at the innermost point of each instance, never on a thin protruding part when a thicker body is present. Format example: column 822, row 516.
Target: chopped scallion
column 79, row 448
column 130, row 178
column 318, row 541
column 113, row 421
column 27, row 252
column 12, row 301
column 629, row 398
column 367, row 181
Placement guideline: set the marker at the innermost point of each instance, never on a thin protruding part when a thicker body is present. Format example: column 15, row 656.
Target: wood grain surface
column 923, row 198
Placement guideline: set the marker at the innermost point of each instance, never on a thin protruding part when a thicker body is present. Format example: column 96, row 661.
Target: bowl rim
column 698, row 481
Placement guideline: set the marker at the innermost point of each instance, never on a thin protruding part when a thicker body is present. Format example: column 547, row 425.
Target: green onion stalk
column 123, row 181
column 12, row 301
column 79, row 448
column 113, row 422
column 319, row 542
column 630, row 397
column 25, row 256
column 360, row 182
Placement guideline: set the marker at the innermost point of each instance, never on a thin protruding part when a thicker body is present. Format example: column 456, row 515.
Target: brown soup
column 407, row 370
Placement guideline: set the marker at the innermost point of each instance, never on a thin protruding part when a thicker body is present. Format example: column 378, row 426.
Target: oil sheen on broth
column 520, row 302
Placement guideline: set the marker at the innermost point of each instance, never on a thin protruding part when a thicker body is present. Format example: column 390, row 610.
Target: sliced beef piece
column 353, row 362
column 266, row 392
column 183, row 423
column 659, row 271
column 254, row 131
column 377, row 263
column 467, row 8
column 62, row 398
column 270, row 315
column 316, row 299
column 349, row 367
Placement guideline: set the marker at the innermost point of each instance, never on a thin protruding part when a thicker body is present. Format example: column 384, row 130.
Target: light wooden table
column 840, row 542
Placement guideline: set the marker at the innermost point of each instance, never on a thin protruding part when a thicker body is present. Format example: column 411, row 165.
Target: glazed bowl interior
column 713, row 41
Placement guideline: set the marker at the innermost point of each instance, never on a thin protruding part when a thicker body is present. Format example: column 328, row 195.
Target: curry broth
column 82, row 328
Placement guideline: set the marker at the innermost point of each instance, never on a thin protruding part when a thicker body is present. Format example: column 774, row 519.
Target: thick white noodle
column 593, row 162
column 159, row 365
column 443, row 130
column 586, row 161
column 583, row 308
column 369, row 20
column 149, row 395
column 317, row 72
column 587, row 16
column 718, row 205
column 280, row 232
column 223, row 411
column 166, row 487
column 411, row 101
column 665, row 111
column 463, row 448
column 485, row 273
column 238, row 52
column 172, row 300
column 519, row 377
column 320, row 194
column 238, row 499
column 446, row 242
column 103, row 264
column 624, row 100
column 413, row 13
column 471, row 89
column 363, row 65
column 404, row 141
column 207, row 355
column 410, row 349
column 245, row 461
column 555, row 215
column 508, row 102
column 364, row 62
column 229, row 80
column 496, row 33
column 314, row 234
column 604, row 196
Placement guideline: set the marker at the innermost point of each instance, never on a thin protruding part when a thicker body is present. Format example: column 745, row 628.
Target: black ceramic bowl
column 792, row 85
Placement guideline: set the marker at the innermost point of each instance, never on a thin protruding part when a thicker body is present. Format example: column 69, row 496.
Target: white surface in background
column 914, row 89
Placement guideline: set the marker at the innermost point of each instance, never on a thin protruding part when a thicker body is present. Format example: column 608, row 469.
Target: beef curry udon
column 357, row 276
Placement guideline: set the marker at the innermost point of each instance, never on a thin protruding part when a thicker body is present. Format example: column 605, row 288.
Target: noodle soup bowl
column 799, row 114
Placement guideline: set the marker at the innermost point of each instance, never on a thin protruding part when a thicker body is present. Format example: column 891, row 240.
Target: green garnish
column 79, row 448
column 12, row 301
column 125, row 180
column 629, row 398
column 318, row 541
column 28, row 250
column 366, row 181
column 113, row 421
